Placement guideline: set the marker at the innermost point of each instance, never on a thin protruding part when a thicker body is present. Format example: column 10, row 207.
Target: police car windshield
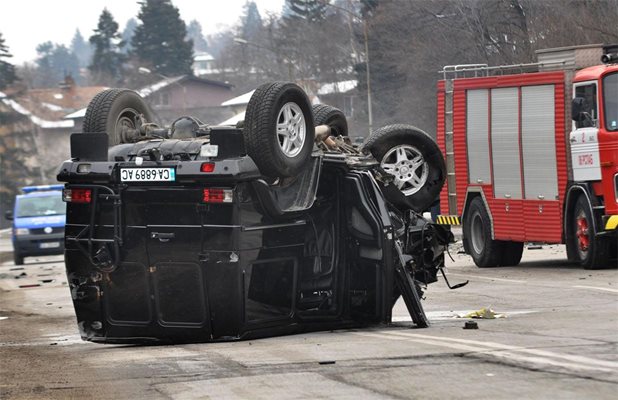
column 40, row 206
column 610, row 98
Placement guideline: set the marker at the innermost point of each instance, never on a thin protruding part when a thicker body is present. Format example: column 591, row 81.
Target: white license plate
column 147, row 174
column 49, row 245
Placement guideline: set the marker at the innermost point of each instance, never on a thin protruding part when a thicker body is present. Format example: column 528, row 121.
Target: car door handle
column 163, row 236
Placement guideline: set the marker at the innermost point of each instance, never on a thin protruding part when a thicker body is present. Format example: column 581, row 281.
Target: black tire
column 18, row 259
column 511, row 253
column 485, row 251
column 112, row 109
column 426, row 187
column 331, row 116
column 265, row 111
column 590, row 251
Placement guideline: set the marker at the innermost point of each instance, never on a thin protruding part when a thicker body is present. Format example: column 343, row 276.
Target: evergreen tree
column 194, row 32
column 251, row 21
column 55, row 62
column 107, row 58
column 7, row 70
column 160, row 41
column 127, row 34
column 81, row 49
column 310, row 10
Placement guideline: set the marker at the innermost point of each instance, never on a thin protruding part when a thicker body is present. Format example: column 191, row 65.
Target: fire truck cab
column 532, row 155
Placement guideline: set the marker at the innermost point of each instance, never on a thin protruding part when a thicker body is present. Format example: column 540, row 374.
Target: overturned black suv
column 195, row 233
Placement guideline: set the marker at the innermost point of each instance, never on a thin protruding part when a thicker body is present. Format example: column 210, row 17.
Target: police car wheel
column 18, row 259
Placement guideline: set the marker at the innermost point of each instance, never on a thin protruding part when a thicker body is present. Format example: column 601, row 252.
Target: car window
column 40, row 206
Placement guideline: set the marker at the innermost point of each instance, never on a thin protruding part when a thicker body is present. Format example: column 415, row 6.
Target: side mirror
column 8, row 214
column 578, row 105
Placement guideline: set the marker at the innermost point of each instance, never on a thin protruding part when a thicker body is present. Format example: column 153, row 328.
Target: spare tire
column 279, row 129
column 113, row 110
column 333, row 117
column 413, row 158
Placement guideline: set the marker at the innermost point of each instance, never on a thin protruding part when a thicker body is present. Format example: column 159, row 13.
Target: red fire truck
column 532, row 155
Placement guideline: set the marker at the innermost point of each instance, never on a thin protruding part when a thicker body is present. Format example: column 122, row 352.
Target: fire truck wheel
column 279, row 129
column 113, row 111
column 485, row 251
column 413, row 158
column 331, row 116
column 511, row 253
column 591, row 252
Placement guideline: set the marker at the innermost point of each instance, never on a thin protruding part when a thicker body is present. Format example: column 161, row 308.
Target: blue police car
column 38, row 222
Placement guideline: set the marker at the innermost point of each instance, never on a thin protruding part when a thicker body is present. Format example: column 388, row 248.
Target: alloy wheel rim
column 291, row 129
column 407, row 165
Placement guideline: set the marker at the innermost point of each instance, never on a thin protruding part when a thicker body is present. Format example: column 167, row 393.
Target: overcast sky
column 26, row 23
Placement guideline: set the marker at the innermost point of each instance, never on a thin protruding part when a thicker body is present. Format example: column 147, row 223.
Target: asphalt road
column 557, row 340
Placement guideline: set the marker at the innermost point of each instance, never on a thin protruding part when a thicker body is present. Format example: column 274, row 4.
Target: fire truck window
column 589, row 114
column 610, row 99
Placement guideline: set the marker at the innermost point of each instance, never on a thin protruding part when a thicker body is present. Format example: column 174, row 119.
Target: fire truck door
column 541, row 207
column 507, row 207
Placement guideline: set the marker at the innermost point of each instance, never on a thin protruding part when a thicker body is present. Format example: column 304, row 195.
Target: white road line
column 502, row 352
column 486, row 277
column 597, row 288
column 500, row 346
column 457, row 314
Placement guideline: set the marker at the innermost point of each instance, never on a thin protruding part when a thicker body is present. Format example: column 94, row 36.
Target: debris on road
column 483, row 313
column 471, row 325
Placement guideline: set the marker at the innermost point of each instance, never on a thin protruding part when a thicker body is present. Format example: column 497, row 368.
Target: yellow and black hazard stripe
column 448, row 220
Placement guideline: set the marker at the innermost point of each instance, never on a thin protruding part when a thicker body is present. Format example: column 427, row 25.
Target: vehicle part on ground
column 485, row 251
column 413, row 158
column 118, row 112
column 333, row 117
column 184, row 238
column 279, row 130
column 590, row 253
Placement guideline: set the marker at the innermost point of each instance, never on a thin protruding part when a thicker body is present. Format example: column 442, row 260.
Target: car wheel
column 113, row 111
column 590, row 252
column 485, row 251
column 331, row 116
column 511, row 254
column 413, row 158
column 18, row 259
column 279, row 130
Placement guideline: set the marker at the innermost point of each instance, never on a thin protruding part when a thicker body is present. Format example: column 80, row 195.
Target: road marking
column 456, row 314
column 487, row 277
column 597, row 288
column 502, row 351
column 500, row 346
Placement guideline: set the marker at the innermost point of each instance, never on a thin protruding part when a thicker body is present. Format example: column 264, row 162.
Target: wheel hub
column 582, row 233
column 291, row 129
column 407, row 165
column 478, row 235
